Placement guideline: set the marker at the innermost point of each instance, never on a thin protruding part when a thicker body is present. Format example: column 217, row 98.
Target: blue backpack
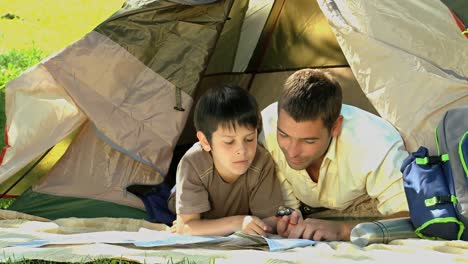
column 436, row 186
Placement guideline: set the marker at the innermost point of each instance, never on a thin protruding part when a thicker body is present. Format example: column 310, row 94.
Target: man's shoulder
column 270, row 116
column 361, row 122
column 267, row 136
column 271, row 108
column 367, row 134
column 354, row 111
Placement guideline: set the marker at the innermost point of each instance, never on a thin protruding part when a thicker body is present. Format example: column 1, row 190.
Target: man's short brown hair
column 310, row 94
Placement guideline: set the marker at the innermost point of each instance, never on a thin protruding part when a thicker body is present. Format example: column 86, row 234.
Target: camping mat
column 25, row 227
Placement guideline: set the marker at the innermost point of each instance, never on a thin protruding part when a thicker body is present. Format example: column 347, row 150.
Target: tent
column 120, row 98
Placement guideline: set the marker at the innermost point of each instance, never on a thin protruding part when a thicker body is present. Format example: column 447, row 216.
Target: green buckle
column 440, row 200
column 432, row 159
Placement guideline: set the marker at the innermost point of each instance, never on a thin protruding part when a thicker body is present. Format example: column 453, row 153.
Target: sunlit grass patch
column 50, row 25
column 14, row 62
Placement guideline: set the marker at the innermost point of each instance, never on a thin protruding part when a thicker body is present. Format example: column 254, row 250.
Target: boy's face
column 233, row 150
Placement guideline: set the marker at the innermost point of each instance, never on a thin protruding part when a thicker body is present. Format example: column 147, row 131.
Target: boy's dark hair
column 228, row 106
column 310, row 94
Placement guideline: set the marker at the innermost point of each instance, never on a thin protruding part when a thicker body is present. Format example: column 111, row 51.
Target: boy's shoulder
column 194, row 150
column 198, row 159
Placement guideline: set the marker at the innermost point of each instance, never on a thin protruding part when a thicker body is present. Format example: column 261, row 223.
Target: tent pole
column 24, row 174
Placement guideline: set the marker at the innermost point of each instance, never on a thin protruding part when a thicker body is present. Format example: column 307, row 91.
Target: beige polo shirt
column 364, row 160
column 200, row 189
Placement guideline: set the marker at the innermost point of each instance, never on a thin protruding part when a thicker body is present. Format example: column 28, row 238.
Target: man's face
column 233, row 150
column 303, row 143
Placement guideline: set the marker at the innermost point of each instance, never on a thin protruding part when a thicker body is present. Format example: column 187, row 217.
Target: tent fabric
column 460, row 8
column 297, row 35
column 34, row 171
column 239, row 36
column 162, row 34
column 193, row 2
column 54, row 113
column 102, row 173
column 119, row 96
column 127, row 88
column 411, row 65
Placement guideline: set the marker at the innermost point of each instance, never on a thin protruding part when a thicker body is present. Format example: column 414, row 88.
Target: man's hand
column 287, row 223
column 253, row 225
column 320, row 230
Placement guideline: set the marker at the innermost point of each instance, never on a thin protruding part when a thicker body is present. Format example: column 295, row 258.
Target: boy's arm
column 192, row 224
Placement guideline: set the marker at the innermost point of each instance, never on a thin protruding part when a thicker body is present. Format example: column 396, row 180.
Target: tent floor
column 54, row 207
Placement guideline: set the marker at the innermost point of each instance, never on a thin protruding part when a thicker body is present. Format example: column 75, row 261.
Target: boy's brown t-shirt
column 200, row 189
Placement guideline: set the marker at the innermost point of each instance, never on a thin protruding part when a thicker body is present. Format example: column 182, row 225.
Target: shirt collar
column 331, row 152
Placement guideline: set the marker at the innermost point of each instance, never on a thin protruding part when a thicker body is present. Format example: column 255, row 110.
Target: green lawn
column 50, row 25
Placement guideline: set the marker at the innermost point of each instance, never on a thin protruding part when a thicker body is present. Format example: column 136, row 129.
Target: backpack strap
column 428, row 160
column 440, row 199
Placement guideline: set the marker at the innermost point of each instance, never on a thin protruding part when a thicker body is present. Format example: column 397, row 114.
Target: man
column 330, row 155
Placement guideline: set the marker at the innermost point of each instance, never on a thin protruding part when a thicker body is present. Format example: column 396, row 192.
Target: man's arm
column 294, row 226
column 396, row 215
column 385, row 183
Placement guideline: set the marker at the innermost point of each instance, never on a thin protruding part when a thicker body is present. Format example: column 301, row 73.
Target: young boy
column 226, row 182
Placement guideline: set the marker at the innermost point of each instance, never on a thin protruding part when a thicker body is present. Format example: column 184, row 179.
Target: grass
column 14, row 62
column 50, row 25
column 37, row 261
column 105, row 261
column 5, row 203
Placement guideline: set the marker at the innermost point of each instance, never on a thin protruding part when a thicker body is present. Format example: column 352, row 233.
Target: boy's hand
column 253, row 225
column 173, row 228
